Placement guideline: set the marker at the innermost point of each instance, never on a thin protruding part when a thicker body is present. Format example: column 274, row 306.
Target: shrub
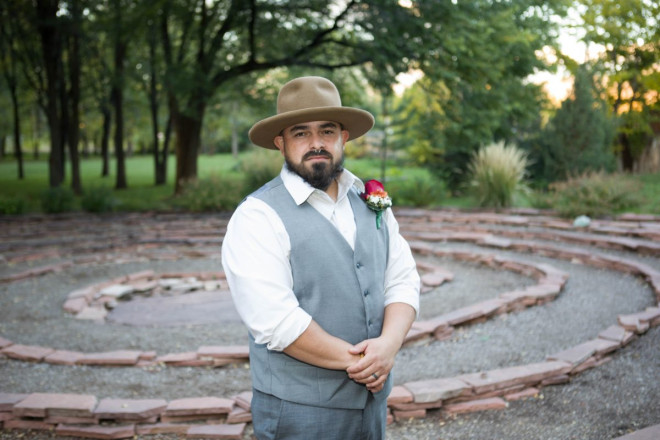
column 11, row 206
column 595, row 194
column 211, row 194
column 57, row 200
column 417, row 191
column 98, row 199
column 497, row 173
column 258, row 167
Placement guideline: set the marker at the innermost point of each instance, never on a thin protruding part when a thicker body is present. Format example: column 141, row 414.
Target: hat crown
column 307, row 92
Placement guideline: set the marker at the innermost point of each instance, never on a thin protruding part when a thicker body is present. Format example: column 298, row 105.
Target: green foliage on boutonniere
column 377, row 199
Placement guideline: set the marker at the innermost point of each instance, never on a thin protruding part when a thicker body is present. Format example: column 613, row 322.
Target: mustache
column 316, row 153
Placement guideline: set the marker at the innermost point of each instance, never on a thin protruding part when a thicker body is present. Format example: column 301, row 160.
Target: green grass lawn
column 651, row 193
column 142, row 195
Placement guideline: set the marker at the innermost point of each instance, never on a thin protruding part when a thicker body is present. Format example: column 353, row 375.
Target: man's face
column 314, row 151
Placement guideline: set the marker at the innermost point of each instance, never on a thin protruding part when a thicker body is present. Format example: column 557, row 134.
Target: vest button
column 358, row 265
column 366, row 292
column 369, row 323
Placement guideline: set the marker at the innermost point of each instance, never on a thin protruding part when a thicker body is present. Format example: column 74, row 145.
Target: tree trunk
column 188, row 134
column 105, row 140
column 18, row 151
column 627, row 159
column 383, row 145
column 74, row 99
column 52, row 50
column 234, row 129
column 165, row 153
column 37, row 131
column 118, row 103
column 118, row 100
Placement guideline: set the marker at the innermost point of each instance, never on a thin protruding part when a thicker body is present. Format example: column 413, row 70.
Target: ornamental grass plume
column 497, row 174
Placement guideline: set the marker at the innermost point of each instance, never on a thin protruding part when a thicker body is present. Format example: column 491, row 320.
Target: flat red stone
column 578, row 354
column 436, row 278
column 8, row 400
column 476, row 405
column 36, row 425
column 217, row 431
column 119, row 357
column 615, row 333
column 435, row 390
column 75, row 305
column 462, row 315
column 145, row 274
column 199, row 405
column 100, row 432
column 524, row 394
column 229, row 352
column 162, row 428
column 177, row 357
column 64, row 357
column 66, row 405
column 92, row 314
column 399, row 394
column 27, row 352
column 239, row 415
column 56, row 420
column 129, row 409
column 405, row 415
column 87, row 293
column 4, row 342
column 244, row 400
column 528, row 374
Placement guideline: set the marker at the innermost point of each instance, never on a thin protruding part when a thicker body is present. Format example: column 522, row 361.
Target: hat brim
column 356, row 121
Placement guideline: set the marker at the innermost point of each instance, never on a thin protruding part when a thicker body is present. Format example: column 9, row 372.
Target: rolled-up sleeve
column 402, row 282
column 255, row 258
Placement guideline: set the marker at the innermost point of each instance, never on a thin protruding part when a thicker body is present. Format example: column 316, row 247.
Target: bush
column 496, row 174
column 211, row 194
column 11, row 206
column 98, row 199
column 595, row 194
column 57, row 200
column 416, row 192
column 259, row 167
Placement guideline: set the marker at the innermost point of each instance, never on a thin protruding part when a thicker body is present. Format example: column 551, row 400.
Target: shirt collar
column 301, row 190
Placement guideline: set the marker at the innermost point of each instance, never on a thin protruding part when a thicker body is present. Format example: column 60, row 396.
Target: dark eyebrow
column 329, row 125
column 298, row 127
column 306, row 127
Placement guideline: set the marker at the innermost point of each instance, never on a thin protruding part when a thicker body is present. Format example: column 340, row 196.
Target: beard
column 321, row 174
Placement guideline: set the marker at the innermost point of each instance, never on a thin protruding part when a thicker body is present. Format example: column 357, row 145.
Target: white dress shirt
column 255, row 257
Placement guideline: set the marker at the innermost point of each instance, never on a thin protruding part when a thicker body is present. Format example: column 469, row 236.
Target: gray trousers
column 274, row 418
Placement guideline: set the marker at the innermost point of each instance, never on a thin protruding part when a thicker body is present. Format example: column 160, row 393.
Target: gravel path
column 601, row 403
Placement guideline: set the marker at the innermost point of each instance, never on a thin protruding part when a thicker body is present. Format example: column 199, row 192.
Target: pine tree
column 579, row 138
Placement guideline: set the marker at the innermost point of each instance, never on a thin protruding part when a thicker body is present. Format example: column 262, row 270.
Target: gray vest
column 340, row 288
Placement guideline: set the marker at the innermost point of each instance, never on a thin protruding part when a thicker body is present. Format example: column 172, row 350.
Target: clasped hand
column 375, row 363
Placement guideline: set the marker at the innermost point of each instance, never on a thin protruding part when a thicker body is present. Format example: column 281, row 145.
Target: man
column 327, row 296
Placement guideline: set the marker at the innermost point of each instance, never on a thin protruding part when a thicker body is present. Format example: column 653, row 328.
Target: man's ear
column 344, row 135
column 279, row 143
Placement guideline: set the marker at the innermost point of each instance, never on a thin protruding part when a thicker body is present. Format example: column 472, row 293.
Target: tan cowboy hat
column 306, row 99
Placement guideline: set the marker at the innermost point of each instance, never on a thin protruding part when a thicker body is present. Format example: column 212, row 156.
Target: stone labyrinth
column 117, row 326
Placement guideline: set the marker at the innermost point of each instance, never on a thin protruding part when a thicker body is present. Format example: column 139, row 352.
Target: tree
column 219, row 42
column 476, row 57
column 629, row 32
column 8, row 65
column 579, row 137
column 72, row 101
column 52, row 89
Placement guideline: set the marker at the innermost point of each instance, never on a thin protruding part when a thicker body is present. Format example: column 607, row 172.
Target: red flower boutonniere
column 376, row 198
